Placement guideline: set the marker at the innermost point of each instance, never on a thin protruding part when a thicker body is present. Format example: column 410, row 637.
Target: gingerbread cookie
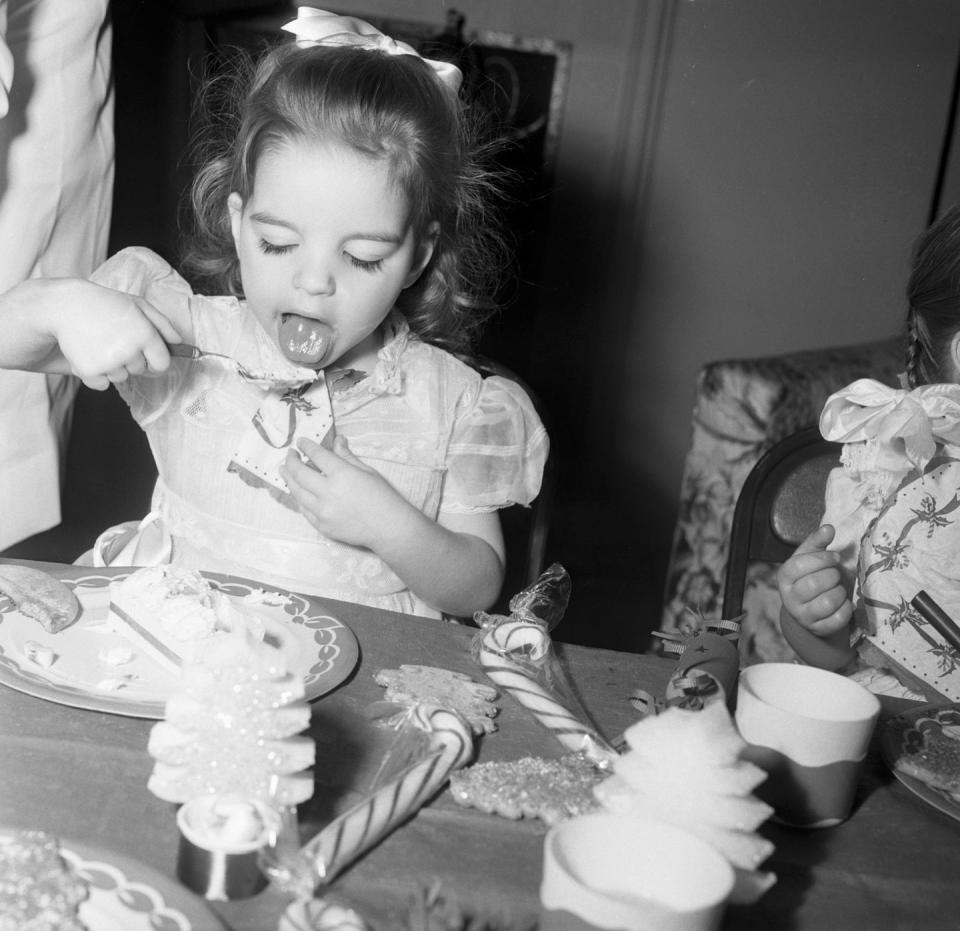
column 454, row 691
column 532, row 787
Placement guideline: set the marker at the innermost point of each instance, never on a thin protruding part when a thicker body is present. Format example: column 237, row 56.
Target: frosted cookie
column 532, row 787
column 936, row 763
column 454, row 691
column 38, row 888
column 39, row 595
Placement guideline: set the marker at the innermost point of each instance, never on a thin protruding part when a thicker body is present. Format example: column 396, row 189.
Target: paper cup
column 221, row 865
column 810, row 730
column 604, row 871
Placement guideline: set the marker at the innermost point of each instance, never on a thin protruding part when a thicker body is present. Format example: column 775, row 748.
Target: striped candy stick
column 367, row 823
column 523, row 638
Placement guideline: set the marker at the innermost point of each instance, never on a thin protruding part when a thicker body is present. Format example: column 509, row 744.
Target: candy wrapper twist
column 517, row 654
column 708, row 664
column 446, row 742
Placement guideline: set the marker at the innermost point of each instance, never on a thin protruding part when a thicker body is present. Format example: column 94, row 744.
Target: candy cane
column 531, row 640
column 356, row 831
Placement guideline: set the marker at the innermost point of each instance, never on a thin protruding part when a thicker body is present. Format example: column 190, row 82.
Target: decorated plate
column 903, row 735
column 126, row 895
column 84, row 672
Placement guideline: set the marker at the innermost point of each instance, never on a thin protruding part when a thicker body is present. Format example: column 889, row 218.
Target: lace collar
column 387, row 374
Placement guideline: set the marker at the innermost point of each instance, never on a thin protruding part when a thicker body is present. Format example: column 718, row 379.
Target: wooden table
column 83, row 775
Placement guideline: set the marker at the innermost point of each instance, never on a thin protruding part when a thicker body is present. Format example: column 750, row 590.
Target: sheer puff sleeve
column 140, row 271
column 497, row 452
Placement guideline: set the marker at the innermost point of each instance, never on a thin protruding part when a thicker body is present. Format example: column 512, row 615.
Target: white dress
column 446, row 438
column 894, row 505
column 56, row 192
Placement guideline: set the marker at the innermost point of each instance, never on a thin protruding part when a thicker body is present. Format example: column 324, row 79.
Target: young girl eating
column 891, row 530
column 311, row 424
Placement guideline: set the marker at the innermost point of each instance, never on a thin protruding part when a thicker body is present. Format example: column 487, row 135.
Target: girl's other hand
column 105, row 336
column 811, row 586
column 343, row 498
column 455, row 566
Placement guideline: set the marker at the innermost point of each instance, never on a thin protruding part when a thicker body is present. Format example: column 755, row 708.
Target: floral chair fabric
column 742, row 407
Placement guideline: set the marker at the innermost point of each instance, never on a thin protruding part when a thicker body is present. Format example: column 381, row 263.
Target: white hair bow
column 898, row 426
column 319, row 27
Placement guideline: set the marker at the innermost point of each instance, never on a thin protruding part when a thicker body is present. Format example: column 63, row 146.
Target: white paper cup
column 604, row 871
column 810, row 730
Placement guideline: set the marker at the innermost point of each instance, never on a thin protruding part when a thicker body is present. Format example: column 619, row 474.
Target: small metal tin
column 218, row 869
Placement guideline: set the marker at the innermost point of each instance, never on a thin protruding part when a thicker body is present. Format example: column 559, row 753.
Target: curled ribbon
column 294, row 402
column 320, row 27
column 279, row 420
column 900, row 424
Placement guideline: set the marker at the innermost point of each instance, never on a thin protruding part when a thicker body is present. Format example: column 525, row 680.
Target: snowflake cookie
column 452, row 690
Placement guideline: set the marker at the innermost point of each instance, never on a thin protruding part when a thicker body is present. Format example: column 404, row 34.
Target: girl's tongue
column 303, row 340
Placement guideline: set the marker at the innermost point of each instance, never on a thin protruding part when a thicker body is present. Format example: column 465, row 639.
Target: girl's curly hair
column 389, row 107
column 933, row 293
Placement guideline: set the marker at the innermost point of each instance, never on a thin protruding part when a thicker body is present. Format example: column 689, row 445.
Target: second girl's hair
column 933, row 292
column 386, row 107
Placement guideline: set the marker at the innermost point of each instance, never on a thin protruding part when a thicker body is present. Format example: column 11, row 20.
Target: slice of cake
column 39, row 891
column 173, row 614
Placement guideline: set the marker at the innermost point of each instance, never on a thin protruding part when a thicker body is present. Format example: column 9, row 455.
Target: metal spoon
column 186, row 351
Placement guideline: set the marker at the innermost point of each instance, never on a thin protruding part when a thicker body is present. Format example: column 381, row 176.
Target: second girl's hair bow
column 320, row 27
column 901, row 424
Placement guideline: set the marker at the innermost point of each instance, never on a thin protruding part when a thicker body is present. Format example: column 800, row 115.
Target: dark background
column 160, row 49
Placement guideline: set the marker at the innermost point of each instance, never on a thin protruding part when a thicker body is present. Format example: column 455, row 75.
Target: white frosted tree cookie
column 454, row 691
column 685, row 767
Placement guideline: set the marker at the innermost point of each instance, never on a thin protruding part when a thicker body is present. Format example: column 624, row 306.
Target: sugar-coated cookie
column 936, row 763
column 532, row 787
column 38, row 887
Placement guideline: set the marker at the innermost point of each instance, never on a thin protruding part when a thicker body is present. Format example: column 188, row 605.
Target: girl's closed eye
column 272, row 248
column 367, row 265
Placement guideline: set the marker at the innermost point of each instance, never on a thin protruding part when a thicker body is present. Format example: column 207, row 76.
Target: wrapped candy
column 431, row 743
column 708, row 665
column 320, row 915
column 517, row 654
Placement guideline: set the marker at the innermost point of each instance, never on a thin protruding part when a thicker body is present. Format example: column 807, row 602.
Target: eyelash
column 269, row 248
column 365, row 266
